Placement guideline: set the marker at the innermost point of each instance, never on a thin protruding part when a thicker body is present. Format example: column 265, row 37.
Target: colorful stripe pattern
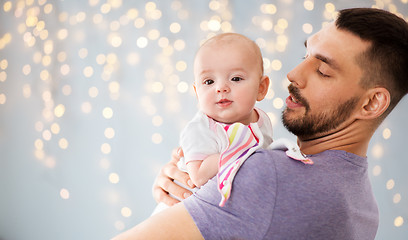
column 242, row 143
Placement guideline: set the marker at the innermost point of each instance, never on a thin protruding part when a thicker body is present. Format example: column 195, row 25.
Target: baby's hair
column 229, row 37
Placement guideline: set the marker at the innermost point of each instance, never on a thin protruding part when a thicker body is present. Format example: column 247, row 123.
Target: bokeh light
column 94, row 94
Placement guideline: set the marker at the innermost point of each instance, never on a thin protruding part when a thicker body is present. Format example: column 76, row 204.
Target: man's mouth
column 293, row 99
column 292, row 103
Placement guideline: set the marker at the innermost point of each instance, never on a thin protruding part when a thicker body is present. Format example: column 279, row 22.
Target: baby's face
column 228, row 80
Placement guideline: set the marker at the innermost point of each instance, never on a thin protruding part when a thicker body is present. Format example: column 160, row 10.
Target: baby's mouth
column 224, row 101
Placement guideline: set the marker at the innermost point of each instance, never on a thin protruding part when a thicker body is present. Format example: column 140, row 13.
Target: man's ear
column 376, row 103
column 263, row 88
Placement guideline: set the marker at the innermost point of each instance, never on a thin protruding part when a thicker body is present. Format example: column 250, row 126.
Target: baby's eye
column 208, row 82
column 236, row 79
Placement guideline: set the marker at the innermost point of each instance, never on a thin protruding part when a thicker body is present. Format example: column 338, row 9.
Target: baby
column 229, row 80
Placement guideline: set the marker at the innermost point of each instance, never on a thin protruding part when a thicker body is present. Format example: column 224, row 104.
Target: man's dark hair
column 385, row 62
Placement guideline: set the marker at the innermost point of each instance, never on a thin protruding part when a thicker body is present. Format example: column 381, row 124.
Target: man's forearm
column 172, row 223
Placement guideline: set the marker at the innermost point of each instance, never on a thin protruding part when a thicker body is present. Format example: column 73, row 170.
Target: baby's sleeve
column 198, row 141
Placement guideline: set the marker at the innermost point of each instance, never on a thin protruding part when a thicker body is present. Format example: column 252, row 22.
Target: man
column 354, row 73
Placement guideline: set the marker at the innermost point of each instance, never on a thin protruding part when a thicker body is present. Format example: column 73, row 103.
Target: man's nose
column 298, row 76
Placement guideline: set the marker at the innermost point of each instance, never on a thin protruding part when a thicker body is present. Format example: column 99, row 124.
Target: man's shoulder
column 267, row 156
column 263, row 161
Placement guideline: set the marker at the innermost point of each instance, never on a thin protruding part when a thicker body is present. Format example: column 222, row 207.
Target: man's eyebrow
column 329, row 61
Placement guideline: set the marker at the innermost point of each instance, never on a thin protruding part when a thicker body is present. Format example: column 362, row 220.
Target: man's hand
column 164, row 186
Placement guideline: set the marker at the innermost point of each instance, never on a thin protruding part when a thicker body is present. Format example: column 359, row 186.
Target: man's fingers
column 176, row 154
column 169, row 186
column 174, row 173
column 164, row 197
column 164, row 188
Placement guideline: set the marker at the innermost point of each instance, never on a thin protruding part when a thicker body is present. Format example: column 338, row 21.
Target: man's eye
column 322, row 74
column 236, row 79
column 208, row 82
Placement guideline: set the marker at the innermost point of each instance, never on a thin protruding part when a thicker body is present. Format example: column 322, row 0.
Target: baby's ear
column 376, row 103
column 263, row 88
column 195, row 90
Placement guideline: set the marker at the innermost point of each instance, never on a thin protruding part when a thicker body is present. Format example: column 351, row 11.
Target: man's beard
column 313, row 125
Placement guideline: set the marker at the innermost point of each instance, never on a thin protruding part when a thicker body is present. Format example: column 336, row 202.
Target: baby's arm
column 201, row 171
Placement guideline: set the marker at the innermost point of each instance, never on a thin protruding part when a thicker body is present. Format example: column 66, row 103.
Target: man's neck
column 353, row 139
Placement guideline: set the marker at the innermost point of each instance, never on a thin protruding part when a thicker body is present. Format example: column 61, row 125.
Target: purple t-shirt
column 276, row 197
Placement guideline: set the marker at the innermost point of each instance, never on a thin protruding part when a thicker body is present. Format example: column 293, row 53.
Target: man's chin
column 296, row 126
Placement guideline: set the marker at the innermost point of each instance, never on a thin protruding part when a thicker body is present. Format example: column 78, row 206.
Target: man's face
column 324, row 89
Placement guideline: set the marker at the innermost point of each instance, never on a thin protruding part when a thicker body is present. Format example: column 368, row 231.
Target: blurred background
column 93, row 95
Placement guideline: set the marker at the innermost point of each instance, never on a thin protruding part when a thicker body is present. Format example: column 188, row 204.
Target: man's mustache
column 295, row 92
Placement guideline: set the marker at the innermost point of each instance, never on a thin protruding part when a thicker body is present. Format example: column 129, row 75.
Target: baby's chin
column 228, row 121
column 221, row 119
